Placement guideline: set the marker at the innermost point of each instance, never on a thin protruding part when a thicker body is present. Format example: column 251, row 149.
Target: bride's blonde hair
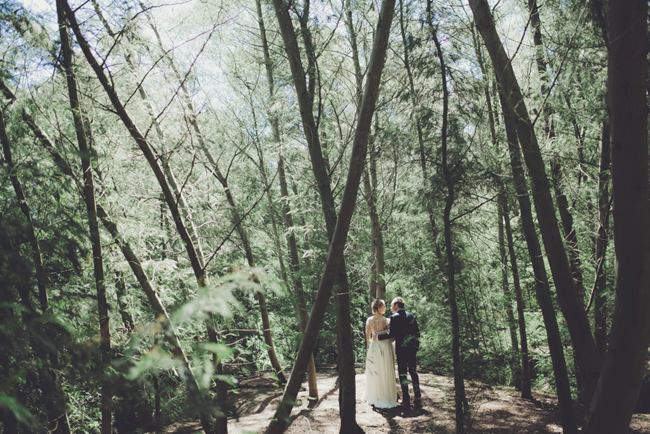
column 377, row 304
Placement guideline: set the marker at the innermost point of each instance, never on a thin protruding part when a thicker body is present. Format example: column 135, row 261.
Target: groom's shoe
column 406, row 402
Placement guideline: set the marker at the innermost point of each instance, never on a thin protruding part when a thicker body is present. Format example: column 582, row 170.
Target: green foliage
column 222, row 69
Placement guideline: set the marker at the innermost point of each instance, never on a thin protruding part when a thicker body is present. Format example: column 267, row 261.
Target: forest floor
column 493, row 410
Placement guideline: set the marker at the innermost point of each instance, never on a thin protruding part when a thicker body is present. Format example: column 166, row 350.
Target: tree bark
column 570, row 303
column 459, row 384
column 161, row 316
column 503, row 258
column 347, row 398
column 542, row 290
column 85, row 143
column 359, row 148
column 600, row 284
column 620, row 381
column 377, row 283
column 521, row 319
column 301, row 302
column 428, row 201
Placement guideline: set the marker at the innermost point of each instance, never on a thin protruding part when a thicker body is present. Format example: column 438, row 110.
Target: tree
column 348, row 203
column 568, row 297
column 620, row 380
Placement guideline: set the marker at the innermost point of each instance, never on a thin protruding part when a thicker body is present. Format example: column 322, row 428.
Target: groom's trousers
column 406, row 363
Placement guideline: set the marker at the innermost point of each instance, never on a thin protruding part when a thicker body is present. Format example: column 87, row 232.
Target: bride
column 381, row 390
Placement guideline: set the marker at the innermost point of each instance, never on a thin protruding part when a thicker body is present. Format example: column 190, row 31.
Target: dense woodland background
column 172, row 173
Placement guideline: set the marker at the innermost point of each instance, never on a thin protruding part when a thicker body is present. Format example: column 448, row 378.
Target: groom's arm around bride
column 404, row 329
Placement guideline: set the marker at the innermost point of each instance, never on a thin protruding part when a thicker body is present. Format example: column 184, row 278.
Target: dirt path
column 494, row 410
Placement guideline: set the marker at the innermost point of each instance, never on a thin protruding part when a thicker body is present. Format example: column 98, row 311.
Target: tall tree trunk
column 377, row 283
column 600, row 283
column 435, row 230
column 542, row 290
column 53, row 395
column 347, row 398
column 521, row 319
column 145, row 147
column 120, row 292
column 503, row 204
column 164, row 154
column 459, row 385
column 359, row 148
column 236, row 220
column 620, row 381
column 85, row 143
column 301, row 302
column 503, row 258
column 572, row 307
column 134, row 262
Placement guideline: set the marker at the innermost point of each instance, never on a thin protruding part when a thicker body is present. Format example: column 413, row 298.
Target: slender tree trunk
column 145, row 147
column 348, row 202
column 542, row 290
column 620, row 381
column 512, row 324
column 568, row 297
column 347, row 398
column 435, row 230
column 301, row 302
column 53, row 395
column 600, row 284
column 162, row 318
column 120, row 291
column 41, row 278
column 459, row 385
column 377, row 283
column 85, row 143
column 163, row 155
column 521, row 319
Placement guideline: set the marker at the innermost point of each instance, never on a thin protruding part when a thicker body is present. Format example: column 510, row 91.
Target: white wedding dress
column 381, row 390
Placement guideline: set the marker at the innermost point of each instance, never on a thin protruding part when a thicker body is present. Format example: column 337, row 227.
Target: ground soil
column 493, row 410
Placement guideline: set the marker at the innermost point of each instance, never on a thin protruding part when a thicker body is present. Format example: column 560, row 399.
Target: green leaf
column 22, row 415
column 219, row 349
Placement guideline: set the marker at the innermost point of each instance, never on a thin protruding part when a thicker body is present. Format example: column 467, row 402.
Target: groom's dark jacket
column 404, row 329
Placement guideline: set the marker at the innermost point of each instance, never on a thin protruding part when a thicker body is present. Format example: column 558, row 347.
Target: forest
column 198, row 192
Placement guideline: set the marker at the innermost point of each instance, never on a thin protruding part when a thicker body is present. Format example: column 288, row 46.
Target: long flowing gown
column 381, row 390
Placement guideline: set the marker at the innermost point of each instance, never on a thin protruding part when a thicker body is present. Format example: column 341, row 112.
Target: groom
column 404, row 329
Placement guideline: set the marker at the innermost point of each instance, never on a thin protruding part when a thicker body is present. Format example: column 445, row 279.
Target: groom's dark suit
column 404, row 329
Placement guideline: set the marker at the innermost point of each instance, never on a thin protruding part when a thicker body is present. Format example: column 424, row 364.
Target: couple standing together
column 402, row 327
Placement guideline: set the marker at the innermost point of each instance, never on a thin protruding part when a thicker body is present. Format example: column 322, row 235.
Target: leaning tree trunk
column 335, row 255
column 134, row 262
column 620, row 381
column 145, row 147
column 542, row 290
column 301, row 302
column 347, row 398
column 503, row 200
column 85, row 142
column 163, row 155
column 235, row 218
column 570, row 303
